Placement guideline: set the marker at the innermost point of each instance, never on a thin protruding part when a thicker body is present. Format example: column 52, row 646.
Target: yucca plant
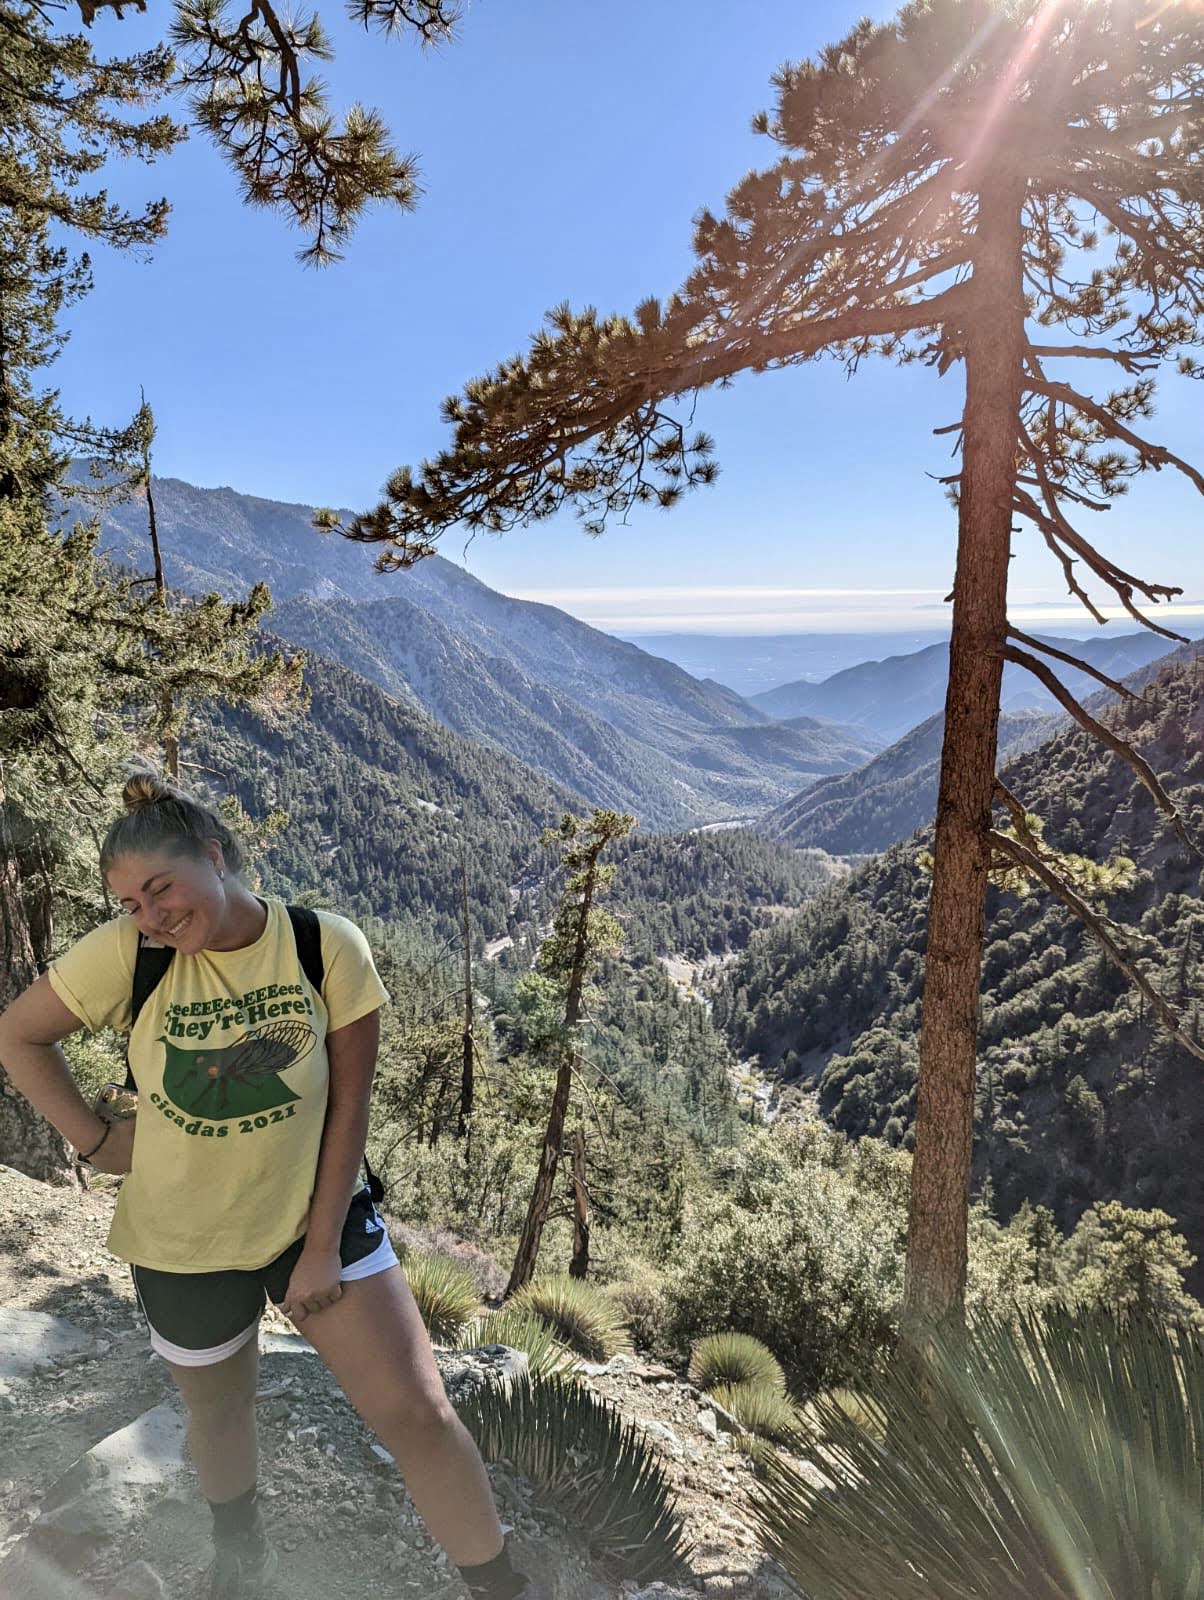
column 760, row 1409
column 759, row 1452
column 579, row 1313
column 444, row 1291
column 735, row 1358
column 520, row 1331
column 1062, row 1459
column 593, row 1467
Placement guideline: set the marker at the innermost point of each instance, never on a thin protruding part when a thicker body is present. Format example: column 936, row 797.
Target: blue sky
column 564, row 149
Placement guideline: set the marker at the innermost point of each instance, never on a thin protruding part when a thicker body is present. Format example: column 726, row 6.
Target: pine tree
column 581, row 933
column 937, row 200
column 244, row 72
column 76, row 641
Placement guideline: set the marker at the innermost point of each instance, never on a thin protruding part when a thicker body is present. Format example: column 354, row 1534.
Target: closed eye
column 130, row 908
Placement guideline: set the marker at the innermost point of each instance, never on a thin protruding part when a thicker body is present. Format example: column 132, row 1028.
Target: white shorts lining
column 381, row 1259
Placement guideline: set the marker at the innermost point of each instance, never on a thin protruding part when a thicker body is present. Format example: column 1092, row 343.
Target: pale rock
column 139, row 1582
column 30, row 1340
column 659, row 1430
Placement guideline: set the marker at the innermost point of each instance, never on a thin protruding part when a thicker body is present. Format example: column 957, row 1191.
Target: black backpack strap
column 307, row 931
column 151, row 962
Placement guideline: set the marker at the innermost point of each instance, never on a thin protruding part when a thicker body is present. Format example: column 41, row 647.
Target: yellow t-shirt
column 229, row 1054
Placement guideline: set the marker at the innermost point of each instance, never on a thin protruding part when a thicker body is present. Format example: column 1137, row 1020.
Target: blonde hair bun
column 159, row 815
column 144, row 787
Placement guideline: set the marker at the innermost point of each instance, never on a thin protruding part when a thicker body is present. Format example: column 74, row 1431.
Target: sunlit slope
column 618, row 725
column 1080, row 1096
column 867, row 810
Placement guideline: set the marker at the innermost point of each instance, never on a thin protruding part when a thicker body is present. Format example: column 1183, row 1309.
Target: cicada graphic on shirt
column 240, row 1079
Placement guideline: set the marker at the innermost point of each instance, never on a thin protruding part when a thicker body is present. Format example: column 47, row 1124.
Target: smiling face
column 178, row 900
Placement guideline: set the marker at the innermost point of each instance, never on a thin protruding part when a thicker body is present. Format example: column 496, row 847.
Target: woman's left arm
column 351, row 1052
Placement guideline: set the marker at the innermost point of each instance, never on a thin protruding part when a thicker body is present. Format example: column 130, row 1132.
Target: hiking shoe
column 243, row 1569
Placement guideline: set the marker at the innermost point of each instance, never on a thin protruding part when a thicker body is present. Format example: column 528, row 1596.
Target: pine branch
column 1134, row 362
column 1118, row 746
column 1026, row 852
column 1028, row 507
column 432, row 20
column 515, row 432
column 1074, row 661
column 1152, row 455
column 274, row 127
column 1055, row 524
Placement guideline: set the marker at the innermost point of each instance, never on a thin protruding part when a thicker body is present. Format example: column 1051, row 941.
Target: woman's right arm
column 30, row 1031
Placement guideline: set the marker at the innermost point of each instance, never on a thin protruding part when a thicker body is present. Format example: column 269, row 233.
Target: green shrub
column 580, row 1314
column 735, row 1358
column 596, row 1469
column 760, row 1409
column 640, row 1295
column 814, row 1272
column 760, row 1452
column 1062, row 1458
column 444, row 1291
column 1132, row 1261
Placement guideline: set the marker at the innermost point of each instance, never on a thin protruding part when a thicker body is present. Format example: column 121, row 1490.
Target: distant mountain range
column 863, row 812
column 892, row 696
column 595, row 715
column 591, row 712
column 752, row 663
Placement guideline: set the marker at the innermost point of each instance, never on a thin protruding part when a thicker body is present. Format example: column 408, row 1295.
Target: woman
column 243, row 1163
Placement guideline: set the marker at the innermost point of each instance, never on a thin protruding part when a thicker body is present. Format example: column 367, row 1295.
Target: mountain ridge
column 591, row 712
column 899, row 693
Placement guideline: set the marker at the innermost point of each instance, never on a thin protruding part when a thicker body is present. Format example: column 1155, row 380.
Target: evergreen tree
column 1133, row 1263
column 581, row 932
column 935, row 201
column 80, row 648
column 244, row 72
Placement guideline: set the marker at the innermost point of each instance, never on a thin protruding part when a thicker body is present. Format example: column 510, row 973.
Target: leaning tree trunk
column 940, row 1180
column 549, row 1160
column 579, row 1265
column 27, row 1141
column 527, row 1253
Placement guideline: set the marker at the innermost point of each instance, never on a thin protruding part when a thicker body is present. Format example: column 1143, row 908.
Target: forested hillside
column 588, row 711
column 862, row 812
column 1081, row 1096
column 704, row 894
column 592, row 712
column 378, row 798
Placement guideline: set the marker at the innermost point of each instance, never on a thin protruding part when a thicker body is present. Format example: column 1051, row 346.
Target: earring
column 221, row 875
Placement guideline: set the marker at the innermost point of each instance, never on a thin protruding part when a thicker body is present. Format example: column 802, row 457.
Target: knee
column 414, row 1421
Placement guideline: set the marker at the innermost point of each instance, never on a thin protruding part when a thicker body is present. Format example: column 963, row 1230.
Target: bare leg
column 221, row 1422
column 374, row 1342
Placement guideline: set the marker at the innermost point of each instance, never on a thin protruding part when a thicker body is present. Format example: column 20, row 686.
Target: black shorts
column 199, row 1318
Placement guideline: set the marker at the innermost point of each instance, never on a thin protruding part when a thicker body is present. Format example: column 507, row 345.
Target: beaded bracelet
column 99, row 1142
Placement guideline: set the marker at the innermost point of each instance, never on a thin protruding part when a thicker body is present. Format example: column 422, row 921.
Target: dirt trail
column 76, row 1524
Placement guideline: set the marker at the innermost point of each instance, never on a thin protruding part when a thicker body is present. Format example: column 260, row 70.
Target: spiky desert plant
column 520, row 1331
column 596, row 1469
column 445, row 1293
column 760, row 1452
column 580, row 1314
column 1062, row 1460
column 857, row 1406
column 760, row 1409
column 735, row 1358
